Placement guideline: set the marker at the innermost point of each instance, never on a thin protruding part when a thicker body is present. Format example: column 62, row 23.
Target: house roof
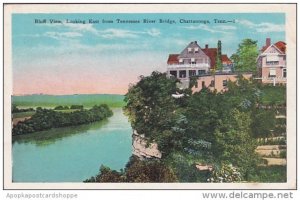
column 173, row 59
column 212, row 54
column 225, row 59
column 280, row 45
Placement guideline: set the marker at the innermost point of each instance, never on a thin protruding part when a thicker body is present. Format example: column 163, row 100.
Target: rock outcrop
column 142, row 149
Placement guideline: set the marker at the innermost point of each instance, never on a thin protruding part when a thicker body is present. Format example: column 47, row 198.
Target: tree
column 245, row 57
column 149, row 171
column 59, row 108
column 150, row 106
column 263, row 122
column 45, row 119
column 219, row 65
column 137, row 171
column 106, row 175
column 235, row 144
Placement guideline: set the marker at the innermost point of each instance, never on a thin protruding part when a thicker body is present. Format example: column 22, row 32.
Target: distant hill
column 87, row 100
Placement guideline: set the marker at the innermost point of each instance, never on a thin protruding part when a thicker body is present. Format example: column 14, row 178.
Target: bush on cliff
column 137, row 171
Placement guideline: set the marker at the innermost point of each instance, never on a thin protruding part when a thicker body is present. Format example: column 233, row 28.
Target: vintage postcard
column 150, row 96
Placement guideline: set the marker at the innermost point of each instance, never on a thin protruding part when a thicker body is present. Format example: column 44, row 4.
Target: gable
column 193, row 50
column 272, row 50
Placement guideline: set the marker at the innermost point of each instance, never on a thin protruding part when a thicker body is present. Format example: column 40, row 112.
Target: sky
column 105, row 58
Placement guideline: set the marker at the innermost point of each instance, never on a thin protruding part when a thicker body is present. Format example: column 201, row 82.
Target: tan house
column 271, row 63
column 218, row 81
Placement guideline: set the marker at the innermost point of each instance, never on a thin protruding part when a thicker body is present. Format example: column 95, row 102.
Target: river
column 72, row 154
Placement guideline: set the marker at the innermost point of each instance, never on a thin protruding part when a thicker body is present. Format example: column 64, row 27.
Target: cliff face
column 141, row 149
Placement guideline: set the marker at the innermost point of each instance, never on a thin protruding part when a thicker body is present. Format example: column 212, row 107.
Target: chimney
column 268, row 42
column 206, row 46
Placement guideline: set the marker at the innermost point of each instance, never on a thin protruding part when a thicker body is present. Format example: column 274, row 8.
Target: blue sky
column 66, row 58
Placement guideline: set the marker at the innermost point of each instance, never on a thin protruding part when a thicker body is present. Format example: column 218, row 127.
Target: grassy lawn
column 23, row 114
column 271, row 94
column 51, row 101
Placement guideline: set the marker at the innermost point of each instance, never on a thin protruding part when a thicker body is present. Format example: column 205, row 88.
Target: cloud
column 124, row 33
column 269, row 27
column 63, row 35
column 111, row 32
column 264, row 27
column 226, row 27
column 116, row 33
column 153, row 32
column 81, row 27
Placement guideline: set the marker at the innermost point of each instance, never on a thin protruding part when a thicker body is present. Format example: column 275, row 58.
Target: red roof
column 226, row 60
column 212, row 54
column 280, row 45
column 173, row 59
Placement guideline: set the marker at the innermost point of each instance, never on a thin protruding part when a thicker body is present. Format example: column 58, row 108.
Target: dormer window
column 189, row 50
column 193, row 61
column 196, row 50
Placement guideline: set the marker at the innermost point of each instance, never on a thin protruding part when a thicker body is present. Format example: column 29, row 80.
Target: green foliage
column 106, row 175
column 282, row 154
column 234, row 143
column 137, row 171
column 219, row 65
column 45, row 119
column 271, row 141
column 263, row 122
column 204, row 127
column 226, row 173
column 184, row 167
column 245, row 57
column 15, row 109
column 62, row 108
column 76, row 107
column 269, row 174
column 151, row 108
column 273, row 95
column 149, row 171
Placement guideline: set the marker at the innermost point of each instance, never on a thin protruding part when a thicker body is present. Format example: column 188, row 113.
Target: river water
column 72, row 154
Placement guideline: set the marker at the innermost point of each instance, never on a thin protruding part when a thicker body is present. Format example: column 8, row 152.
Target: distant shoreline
column 50, row 101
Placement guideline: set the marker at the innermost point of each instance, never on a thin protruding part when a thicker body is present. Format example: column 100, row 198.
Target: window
column 200, row 72
column 180, row 60
column 224, row 83
column 173, row 73
column 193, row 61
column 182, row 74
column 272, row 73
column 284, row 73
column 196, row 84
column 192, row 73
column 196, row 50
column 203, row 84
column 212, row 83
column 189, row 50
column 272, row 62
